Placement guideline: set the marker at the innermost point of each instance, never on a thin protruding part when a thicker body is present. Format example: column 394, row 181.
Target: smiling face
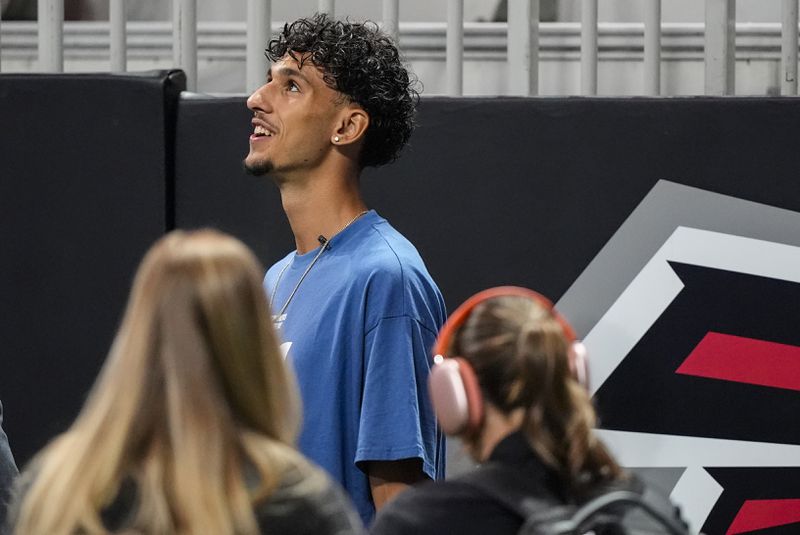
column 295, row 117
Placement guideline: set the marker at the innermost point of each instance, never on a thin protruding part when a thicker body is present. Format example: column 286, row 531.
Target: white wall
column 620, row 72
column 436, row 10
column 671, row 10
column 222, row 46
column 284, row 10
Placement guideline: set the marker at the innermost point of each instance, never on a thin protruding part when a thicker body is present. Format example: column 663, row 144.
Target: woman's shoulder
column 452, row 506
column 306, row 501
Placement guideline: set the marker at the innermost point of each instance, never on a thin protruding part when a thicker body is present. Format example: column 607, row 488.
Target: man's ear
column 352, row 125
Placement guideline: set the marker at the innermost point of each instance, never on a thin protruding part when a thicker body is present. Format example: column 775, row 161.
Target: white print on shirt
column 285, row 349
column 277, row 321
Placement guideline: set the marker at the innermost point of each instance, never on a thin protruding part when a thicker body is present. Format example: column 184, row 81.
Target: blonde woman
column 190, row 425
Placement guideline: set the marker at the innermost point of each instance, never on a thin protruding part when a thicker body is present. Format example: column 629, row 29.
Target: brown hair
column 520, row 354
column 193, row 395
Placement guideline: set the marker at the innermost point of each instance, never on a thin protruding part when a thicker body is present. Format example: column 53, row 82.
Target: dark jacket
column 454, row 506
column 8, row 472
column 459, row 506
column 306, row 502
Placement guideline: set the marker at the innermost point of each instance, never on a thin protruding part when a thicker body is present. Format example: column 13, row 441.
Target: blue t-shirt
column 358, row 333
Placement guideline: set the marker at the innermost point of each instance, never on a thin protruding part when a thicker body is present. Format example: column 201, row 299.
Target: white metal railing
column 720, row 47
column 391, row 19
column 455, row 47
column 259, row 23
column 652, row 48
column 522, row 45
column 789, row 47
column 184, row 39
column 118, row 47
column 589, row 47
column 327, row 6
column 51, row 35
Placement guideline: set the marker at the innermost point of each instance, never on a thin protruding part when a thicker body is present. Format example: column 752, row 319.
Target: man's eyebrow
column 289, row 71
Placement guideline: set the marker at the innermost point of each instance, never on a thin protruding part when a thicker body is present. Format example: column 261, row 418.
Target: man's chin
column 257, row 168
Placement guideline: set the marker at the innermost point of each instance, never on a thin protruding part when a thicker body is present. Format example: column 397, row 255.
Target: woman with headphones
column 510, row 380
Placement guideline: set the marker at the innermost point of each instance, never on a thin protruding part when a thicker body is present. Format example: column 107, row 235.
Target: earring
column 336, row 139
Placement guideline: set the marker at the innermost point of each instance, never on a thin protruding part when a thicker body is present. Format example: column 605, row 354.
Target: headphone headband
column 460, row 315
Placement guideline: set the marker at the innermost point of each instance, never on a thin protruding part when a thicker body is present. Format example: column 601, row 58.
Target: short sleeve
column 397, row 419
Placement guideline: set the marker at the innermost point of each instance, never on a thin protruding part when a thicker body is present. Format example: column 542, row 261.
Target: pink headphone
column 453, row 384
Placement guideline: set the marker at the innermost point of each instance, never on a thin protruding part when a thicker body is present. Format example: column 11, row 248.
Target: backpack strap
column 611, row 507
column 543, row 512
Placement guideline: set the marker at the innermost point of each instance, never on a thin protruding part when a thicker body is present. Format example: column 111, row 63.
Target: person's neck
column 320, row 207
column 497, row 426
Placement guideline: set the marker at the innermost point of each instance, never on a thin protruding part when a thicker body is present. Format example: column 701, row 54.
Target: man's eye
column 293, row 86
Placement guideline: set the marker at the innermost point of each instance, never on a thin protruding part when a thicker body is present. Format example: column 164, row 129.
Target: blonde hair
column 193, row 397
column 519, row 352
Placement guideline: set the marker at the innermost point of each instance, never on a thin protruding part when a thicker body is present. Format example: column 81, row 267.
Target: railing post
column 789, row 47
column 116, row 27
column 184, row 39
column 652, row 48
column 455, row 48
column 259, row 31
column 720, row 47
column 391, row 20
column 589, row 47
column 523, row 47
column 327, row 6
column 51, row 35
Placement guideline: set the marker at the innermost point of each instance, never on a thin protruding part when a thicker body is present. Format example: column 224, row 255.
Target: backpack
column 628, row 508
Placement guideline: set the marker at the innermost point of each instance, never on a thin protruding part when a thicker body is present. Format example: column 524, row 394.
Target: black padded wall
column 211, row 187
column 527, row 191
column 577, row 198
column 569, row 196
column 509, row 190
column 85, row 164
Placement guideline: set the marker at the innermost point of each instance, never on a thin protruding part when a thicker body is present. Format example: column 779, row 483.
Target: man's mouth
column 261, row 132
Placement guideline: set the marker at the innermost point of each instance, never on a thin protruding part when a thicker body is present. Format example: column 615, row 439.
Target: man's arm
column 389, row 478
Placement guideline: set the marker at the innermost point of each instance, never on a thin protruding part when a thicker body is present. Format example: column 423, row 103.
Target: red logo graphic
column 744, row 360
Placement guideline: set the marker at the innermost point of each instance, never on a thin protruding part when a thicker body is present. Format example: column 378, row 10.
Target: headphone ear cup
column 578, row 363
column 456, row 397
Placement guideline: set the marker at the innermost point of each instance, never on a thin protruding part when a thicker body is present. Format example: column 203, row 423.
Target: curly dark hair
column 363, row 64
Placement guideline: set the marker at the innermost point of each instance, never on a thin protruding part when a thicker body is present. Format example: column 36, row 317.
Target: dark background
column 85, row 170
column 509, row 190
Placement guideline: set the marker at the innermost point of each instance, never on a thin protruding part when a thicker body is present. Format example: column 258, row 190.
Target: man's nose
column 259, row 100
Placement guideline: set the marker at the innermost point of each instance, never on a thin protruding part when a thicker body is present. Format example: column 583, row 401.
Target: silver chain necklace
column 323, row 246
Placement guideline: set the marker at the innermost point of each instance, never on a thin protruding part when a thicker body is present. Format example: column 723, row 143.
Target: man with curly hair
column 355, row 306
